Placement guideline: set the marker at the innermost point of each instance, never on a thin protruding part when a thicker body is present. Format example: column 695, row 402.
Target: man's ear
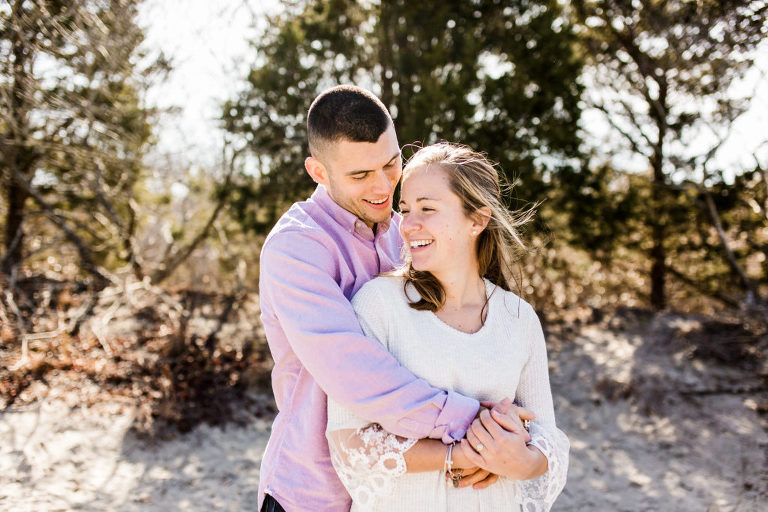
column 316, row 170
column 480, row 218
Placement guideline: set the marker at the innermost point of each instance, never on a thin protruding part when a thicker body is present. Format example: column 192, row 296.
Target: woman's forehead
column 432, row 178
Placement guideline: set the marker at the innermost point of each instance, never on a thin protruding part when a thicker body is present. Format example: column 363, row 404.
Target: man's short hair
column 345, row 112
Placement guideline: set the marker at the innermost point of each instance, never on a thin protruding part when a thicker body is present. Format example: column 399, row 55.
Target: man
column 316, row 257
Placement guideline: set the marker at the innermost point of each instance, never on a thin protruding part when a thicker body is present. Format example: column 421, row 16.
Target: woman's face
column 435, row 227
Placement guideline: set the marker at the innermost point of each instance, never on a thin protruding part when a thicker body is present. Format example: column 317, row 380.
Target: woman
column 449, row 316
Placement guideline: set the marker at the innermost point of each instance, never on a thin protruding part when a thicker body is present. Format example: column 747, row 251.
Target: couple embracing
column 399, row 345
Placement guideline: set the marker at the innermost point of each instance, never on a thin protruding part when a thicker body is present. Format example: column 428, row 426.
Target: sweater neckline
column 489, row 289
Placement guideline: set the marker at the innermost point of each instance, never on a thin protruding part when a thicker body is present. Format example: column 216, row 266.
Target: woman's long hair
column 476, row 182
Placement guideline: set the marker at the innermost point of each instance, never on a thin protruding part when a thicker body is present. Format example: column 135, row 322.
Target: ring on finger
column 479, row 447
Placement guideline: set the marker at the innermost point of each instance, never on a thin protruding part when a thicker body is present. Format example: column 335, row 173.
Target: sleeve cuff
column 455, row 418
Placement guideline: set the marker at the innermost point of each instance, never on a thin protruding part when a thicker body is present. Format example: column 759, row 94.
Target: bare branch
column 696, row 285
column 125, row 233
column 10, row 299
column 82, row 249
column 748, row 284
column 635, row 145
column 182, row 254
column 631, row 114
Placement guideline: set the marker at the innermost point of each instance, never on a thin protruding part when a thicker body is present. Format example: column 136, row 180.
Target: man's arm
column 298, row 287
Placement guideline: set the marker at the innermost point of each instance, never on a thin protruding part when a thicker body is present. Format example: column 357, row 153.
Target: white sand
column 704, row 454
column 54, row 458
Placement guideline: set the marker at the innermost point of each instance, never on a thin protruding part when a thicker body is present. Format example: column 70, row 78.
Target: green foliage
column 500, row 77
column 601, row 209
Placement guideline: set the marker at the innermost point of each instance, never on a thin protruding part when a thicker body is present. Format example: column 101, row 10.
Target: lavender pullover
column 312, row 262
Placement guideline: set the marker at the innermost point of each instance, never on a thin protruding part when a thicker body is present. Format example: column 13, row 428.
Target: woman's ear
column 480, row 219
column 316, row 170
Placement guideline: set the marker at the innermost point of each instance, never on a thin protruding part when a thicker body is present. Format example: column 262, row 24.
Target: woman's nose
column 409, row 224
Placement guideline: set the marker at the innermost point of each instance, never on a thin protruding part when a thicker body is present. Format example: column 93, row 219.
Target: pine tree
column 501, row 77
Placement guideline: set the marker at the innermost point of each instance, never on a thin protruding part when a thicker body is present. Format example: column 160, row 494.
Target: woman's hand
column 496, row 443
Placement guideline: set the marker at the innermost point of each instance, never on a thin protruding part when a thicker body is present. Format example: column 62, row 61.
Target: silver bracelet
column 448, row 461
column 448, row 466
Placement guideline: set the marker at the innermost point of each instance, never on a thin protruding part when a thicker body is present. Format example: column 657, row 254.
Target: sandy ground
column 691, row 453
column 54, row 458
column 638, row 442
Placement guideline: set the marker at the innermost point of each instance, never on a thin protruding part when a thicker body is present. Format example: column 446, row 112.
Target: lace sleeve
column 539, row 494
column 534, row 393
column 366, row 458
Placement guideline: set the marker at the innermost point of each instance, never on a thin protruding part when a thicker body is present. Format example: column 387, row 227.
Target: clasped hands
column 495, row 444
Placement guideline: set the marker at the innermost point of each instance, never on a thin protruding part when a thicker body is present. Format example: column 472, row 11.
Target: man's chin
column 379, row 219
column 374, row 217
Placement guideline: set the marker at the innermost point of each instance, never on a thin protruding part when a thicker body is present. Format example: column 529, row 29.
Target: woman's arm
column 366, row 456
column 430, row 455
column 418, row 456
column 534, row 393
column 368, row 459
column 540, row 466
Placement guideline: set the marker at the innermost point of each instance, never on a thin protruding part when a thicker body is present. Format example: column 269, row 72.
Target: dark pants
column 271, row 505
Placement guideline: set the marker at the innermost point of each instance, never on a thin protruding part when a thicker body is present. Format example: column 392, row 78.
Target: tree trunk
column 659, row 219
column 14, row 224
column 658, row 234
column 658, row 268
column 15, row 158
column 386, row 26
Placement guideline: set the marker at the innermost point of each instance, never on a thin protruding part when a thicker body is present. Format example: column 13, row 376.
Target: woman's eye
column 403, row 212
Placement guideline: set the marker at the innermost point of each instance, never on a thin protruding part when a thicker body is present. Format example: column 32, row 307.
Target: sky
column 208, row 42
column 747, row 136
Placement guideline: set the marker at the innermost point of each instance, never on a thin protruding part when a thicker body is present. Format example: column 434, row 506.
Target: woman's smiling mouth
column 415, row 244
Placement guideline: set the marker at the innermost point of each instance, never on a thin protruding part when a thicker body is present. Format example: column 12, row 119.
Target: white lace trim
column 539, row 494
column 367, row 460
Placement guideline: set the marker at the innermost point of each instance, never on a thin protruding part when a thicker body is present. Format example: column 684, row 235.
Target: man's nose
column 383, row 184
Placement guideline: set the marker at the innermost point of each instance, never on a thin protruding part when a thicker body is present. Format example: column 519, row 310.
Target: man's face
column 361, row 176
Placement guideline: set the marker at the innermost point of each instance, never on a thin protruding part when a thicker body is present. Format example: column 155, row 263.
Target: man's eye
column 359, row 177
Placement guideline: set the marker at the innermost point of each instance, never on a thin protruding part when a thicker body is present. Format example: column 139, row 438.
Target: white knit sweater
column 506, row 358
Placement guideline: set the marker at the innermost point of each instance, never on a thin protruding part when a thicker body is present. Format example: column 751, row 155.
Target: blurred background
column 149, row 146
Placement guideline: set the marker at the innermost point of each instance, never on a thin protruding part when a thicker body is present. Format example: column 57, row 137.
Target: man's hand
column 503, row 407
column 512, row 412
column 477, row 477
